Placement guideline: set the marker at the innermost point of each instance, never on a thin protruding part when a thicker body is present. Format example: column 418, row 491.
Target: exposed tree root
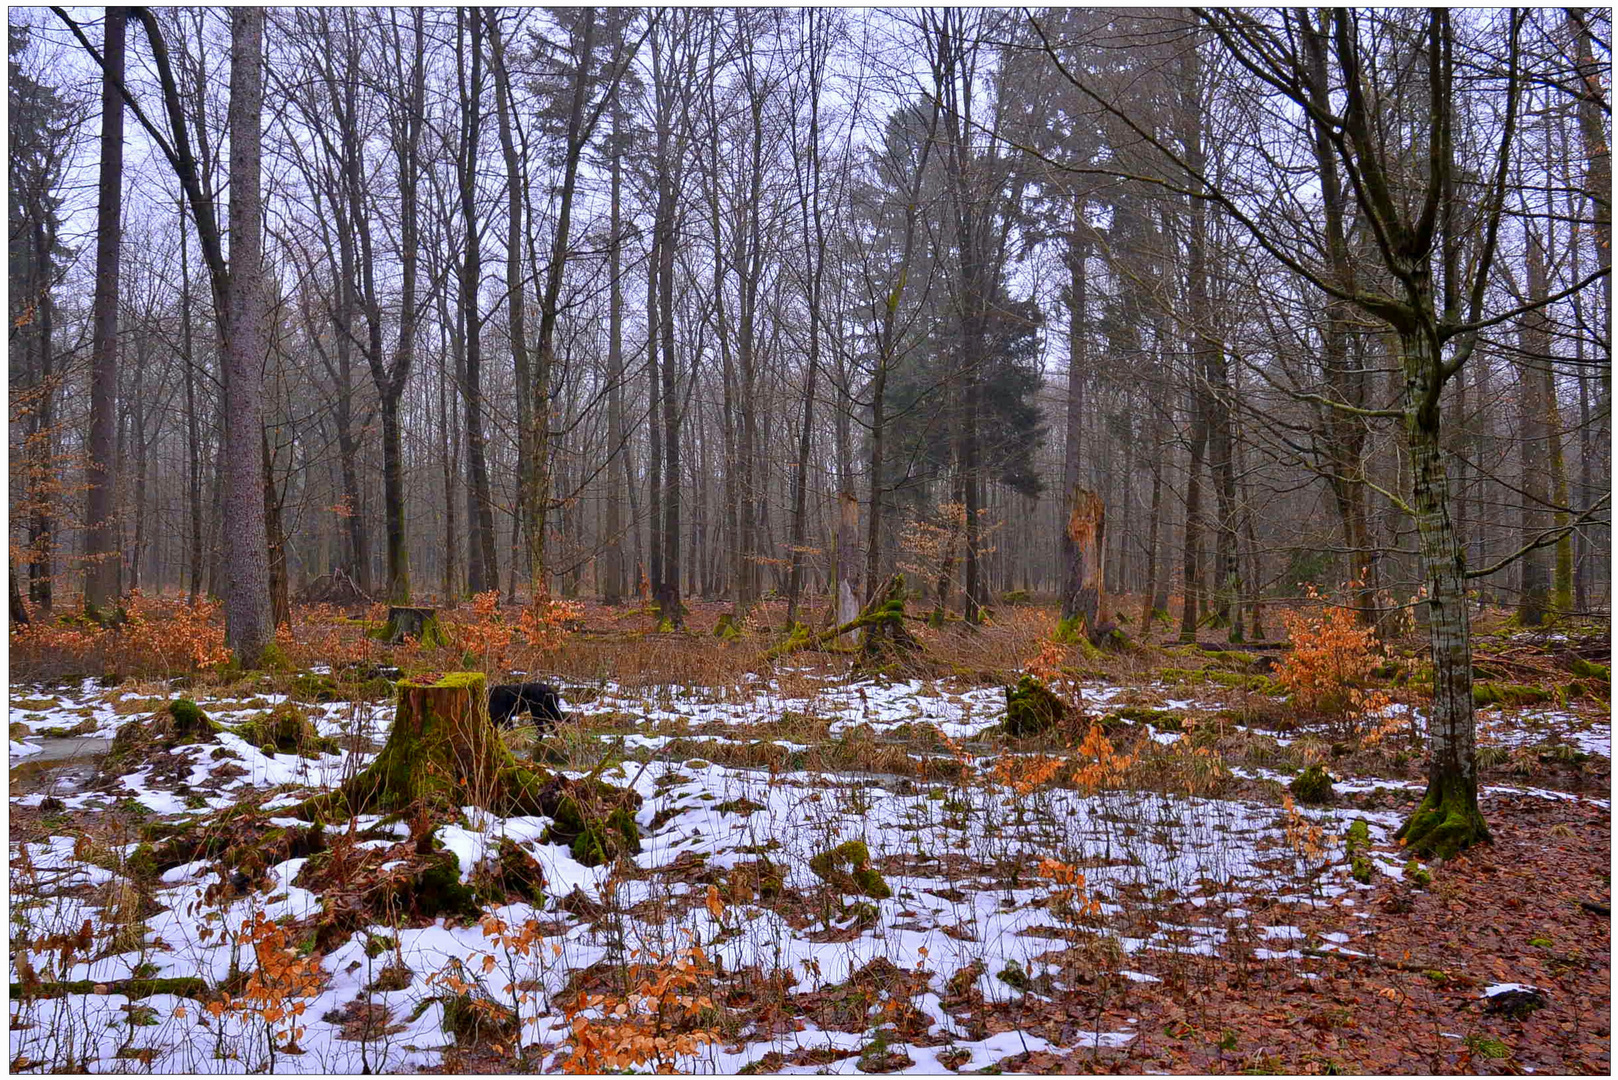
column 1447, row 821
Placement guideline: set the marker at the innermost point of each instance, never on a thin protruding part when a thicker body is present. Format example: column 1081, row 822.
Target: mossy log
column 882, row 622
column 181, row 986
column 420, row 623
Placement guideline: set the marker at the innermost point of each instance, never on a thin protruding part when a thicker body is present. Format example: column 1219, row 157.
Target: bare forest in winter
column 800, row 540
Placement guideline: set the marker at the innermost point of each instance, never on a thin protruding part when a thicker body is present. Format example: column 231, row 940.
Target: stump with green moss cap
column 443, row 753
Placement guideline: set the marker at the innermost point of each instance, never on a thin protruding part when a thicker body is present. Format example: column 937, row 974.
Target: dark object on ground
column 1516, row 1003
column 335, row 588
column 420, row 623
column 1588, row 905
column 538, row 700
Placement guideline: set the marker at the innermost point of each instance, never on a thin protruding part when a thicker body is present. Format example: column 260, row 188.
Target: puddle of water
column 66, row 749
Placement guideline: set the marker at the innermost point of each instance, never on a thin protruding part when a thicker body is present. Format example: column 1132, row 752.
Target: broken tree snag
column 882, row 621
column 886, row 638
column 1082, row 586
column 335, row 588
column 420, row 623
column 848, row 529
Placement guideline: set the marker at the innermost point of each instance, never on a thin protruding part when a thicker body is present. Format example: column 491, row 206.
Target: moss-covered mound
column 287, row 729
column 179, row 723
column 1312, row 787
column 1357, row 845
column 592, row 819
column 412, row 622
column 1031, row 708
column 847, row 868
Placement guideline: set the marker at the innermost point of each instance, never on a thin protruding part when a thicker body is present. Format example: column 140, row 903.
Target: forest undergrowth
column 1169, row 857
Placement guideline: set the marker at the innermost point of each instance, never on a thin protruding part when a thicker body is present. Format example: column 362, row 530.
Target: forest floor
column 1133, row 891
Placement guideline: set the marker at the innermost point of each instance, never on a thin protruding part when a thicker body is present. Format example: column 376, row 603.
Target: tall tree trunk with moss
column 1448, row 818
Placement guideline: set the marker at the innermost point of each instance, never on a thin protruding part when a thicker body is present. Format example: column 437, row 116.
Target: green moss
column 141, row 863
column 512, row 873
column 1031, row 708
column 1357, row 843
column 847, row 868
column 315, row 688
column 272, row 658
column 1447, row 821
column 1597, row 679
column 1512, row 695
column 593, row 840
column 475, row 1021
column 1163, row 719
column 183, row 986
column 726, row 628
column 1015, row 977
column 432, row 634
column 287, row 730
column 377, row 944
column 1313, row 786
column 761, row 875
column 439, row 892
column 1254, row 684
column 188, row 718
column 1016, row 598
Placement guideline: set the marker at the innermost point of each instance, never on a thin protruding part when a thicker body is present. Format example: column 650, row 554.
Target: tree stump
column 886, row 638
column 444, row 753
column 1082, row 588
column 848, row 528
column 420, row 623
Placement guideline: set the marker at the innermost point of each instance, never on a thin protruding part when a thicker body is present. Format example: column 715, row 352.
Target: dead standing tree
column 1082, row 587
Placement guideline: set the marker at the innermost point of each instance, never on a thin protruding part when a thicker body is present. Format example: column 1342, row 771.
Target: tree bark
column 483, row 571
column 249, row 627
column 612, row 560
column 1448, row 818
column 1083, row 590
column 101, row 536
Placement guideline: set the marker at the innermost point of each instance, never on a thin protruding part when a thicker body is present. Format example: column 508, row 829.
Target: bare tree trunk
column 483, row 570
column 101, row 537
column 390, row 384
column 42, row 436
column 1535, row 401
column 612, row 577
column 1073, row 443
column 193, row 440
column 249, row 627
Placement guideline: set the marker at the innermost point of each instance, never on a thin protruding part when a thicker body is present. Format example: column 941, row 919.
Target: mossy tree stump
column 1032, row 709
column 420, row 623
column 885, row 636
column 444, row 753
